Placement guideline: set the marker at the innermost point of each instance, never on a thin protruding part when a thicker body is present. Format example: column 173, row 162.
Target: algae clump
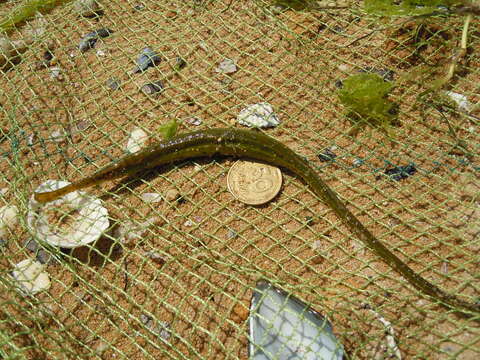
column 365, row 97
column 408, row 7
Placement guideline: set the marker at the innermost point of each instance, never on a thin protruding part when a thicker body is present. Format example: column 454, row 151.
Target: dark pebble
column 113, row 84
column 44, row 257
column 152, row 88
column 88, row 41
column 47, row 55
column 3, row 242
column 326, row 155
column 398, row 173
column 146, row 59
column 180, row 63
column 31, row 245
column 339, row 84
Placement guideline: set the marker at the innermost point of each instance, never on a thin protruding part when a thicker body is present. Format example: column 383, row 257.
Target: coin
column 254, row 183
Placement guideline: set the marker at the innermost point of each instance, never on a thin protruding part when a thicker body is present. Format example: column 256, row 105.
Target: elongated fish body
column 255, row 145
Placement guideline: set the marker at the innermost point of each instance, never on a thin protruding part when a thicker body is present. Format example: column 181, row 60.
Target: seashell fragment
column 137, row 140
column 8, row 219
column 88, row 224
column 259, row 115
column 283, row 327
column 31, row 277
column 146, row 59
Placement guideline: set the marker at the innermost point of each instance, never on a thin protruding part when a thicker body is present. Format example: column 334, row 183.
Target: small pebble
column 89, row 40
column 32, row 245
column 56, row 73
column 30, row 139
column 155, row 257
column 47, row 55
column 203, row 45
column 101, row 347
column 137, row 140
column 147, row 58
column 151, row 197
column 58, row 136
column 100, row 53
column 398, row 173
column 339, row 84
column 317, row 245
column 232, row 234
column 8, row 219
column 171, row 195
column 31, row 277
column 240, row 313
column 444, row 267
column 113, row 83
column 358, row 162
column 193, row 121
column 87, row 8
column 188, row 223
column 81, row 125
column 44, row 257
column 226, row 66
column 153, row 88
column 259, row 115
column 180, row 63
column 139, row 6
column 327, row 155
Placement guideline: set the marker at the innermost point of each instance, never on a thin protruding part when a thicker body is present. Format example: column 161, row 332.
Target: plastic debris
column 146, row 59
column 284, row 327
column 87, row 226
column 226, row 66
column 31, row 277
column 137, row 140
column 259, row 115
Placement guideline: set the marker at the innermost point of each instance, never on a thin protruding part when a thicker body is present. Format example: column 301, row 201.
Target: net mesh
column 174, row 278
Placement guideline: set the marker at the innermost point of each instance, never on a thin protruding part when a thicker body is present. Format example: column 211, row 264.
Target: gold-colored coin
column 254, row 183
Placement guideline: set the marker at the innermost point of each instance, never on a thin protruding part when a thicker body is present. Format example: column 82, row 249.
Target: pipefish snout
column 257, row 146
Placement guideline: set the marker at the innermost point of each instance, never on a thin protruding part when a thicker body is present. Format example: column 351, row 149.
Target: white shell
column 137, row 140
column 226, row 66
column 31, row 277
column 151, row 197
column 258, row 115
column 460, row 100
column 8, row 219
column 92, row 219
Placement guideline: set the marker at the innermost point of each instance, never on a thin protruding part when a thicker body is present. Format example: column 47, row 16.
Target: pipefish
column 257, row 146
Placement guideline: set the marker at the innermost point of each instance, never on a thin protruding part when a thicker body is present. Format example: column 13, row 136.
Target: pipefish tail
column 257, row 146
